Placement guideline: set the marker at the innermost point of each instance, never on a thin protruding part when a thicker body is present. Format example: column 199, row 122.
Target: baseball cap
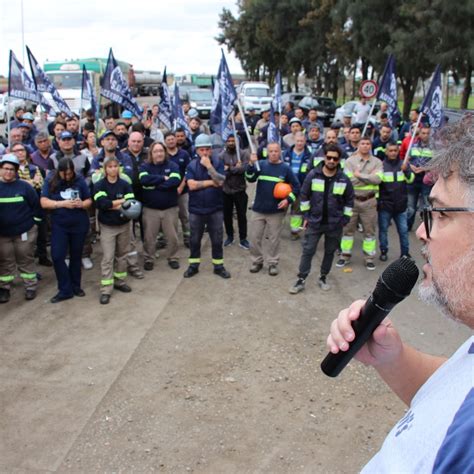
column 126, row 114
column 27, row 116
column 107, row 134
column 66, row 135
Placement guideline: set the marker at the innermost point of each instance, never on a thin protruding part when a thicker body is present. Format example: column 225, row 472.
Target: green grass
column 453, row 102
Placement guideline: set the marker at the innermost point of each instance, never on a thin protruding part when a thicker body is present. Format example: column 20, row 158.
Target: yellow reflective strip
column 10, row 200
column 37, row 219
column 28, row 276
column 120, row 275
column 143, row 173
column 194, row 260
column 305, row 206
column 217, row 261
column 273, row 179
column 106, row 282
column 7, row 278
column 348, row 211
column 175, row 175
column 292, row 196
column 99, row 194
column 129, row 196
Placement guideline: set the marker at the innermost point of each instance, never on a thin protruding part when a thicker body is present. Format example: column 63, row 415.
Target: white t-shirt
column 362, row 112
column 437, row 432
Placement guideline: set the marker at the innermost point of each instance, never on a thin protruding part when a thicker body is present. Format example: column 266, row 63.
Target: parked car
column 201, row 100
column 12, row 104
column 254, row 95
column 328, row 105
column 294, row 97
column 325, row 106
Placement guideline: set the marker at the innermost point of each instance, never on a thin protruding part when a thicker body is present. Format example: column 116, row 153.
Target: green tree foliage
column 327, row 39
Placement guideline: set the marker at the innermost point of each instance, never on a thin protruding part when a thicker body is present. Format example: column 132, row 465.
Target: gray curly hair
column 454, row 153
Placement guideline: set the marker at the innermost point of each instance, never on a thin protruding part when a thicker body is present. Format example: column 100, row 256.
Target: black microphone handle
column 370, row 317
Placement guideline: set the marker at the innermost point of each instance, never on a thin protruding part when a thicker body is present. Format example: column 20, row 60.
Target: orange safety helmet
column 281, row 190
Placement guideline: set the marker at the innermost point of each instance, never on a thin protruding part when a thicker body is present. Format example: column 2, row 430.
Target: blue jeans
column 401, row 222
column 415, row 191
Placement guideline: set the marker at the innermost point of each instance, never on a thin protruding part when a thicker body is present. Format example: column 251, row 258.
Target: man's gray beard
column 449, row 291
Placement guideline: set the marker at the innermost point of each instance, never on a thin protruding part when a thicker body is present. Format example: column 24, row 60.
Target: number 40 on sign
column 368, row 89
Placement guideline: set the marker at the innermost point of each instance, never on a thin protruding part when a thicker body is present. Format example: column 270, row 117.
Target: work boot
column 222, row 272
column 298, row 286
column 30, row 294
column 273, row 270
column 174, row 264
column 45, row 262
column 256, row 267
column 136, row 274
column 4, row 295
column 383, row 255
column 191, row 271
column 124, row 288
column 148, row 266
column 104, row 299
column 323, row 284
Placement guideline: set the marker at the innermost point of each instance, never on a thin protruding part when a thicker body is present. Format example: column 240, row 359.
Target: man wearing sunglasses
column 327, row 199
column 436, row 434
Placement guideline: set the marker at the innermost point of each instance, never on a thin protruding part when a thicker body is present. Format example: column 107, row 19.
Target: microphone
column 393, row 286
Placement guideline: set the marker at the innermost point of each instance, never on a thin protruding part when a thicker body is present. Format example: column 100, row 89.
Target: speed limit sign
column 368, row 89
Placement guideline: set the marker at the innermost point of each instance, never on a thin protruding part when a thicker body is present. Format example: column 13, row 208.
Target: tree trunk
column 335, row 81
column 354, row 81
column 296, row 81
column 466, row 92
column 409, row 88
column 365, row 68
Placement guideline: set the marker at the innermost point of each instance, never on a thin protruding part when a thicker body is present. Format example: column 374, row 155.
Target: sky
column 179, row 34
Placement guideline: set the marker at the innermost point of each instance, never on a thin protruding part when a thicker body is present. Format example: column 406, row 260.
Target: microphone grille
column 400, row 277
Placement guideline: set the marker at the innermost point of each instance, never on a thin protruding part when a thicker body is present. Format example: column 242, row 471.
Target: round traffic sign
column 368, row 89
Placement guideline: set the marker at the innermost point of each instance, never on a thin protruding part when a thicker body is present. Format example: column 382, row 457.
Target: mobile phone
column 149, row 114
column 74, row 194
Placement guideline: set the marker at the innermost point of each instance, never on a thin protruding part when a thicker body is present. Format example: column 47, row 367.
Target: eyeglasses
column 11, row 170
column 332, row 158
column 427, row 215
column 19, row 149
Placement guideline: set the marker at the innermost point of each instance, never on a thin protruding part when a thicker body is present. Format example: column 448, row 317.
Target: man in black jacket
column 393, row 200
column 327, row 198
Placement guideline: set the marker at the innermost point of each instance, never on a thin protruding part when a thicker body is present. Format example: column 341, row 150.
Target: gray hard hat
column 203, row 141
column 193, row 113
column 10, row 158
column 131, row 209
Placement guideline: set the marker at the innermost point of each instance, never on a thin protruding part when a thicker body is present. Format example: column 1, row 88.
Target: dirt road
column 200, row 375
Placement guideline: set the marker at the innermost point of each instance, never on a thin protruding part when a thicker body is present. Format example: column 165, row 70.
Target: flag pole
column 412, row 139
column 237, row 141
column 370, row 115
column 252, row 146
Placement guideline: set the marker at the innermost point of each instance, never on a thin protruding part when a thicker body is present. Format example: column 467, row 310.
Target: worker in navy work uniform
column 392, row 202
column 327, row 199
column 269, row 212
column 19, row 211
column 109, row 195
column 205, row 177
column 66, row 194
column 160, row 178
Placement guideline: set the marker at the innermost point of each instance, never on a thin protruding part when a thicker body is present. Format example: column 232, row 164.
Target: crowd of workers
column 68, row 181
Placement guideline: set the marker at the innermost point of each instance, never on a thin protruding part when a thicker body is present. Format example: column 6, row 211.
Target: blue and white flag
column 115, row 88
column 88, row 92
column 432, row 105
column 272, row 130
column 166, row 107
column 20, row 85
column 215, row 119
column 228, row 96
column 277, row 91
column 179, row 119
column 44, row 84
column 388, row 91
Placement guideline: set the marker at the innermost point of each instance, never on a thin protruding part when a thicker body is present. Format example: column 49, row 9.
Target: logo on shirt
column 405, row 423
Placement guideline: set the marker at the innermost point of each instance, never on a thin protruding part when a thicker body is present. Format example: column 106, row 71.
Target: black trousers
column 332, row 240
column 197, row 223
column 241, row 201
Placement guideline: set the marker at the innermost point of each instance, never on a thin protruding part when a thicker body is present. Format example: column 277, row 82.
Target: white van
column 12, row 104
column 255, row 95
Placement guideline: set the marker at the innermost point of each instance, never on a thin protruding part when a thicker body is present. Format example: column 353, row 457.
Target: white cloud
column 178, row 34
